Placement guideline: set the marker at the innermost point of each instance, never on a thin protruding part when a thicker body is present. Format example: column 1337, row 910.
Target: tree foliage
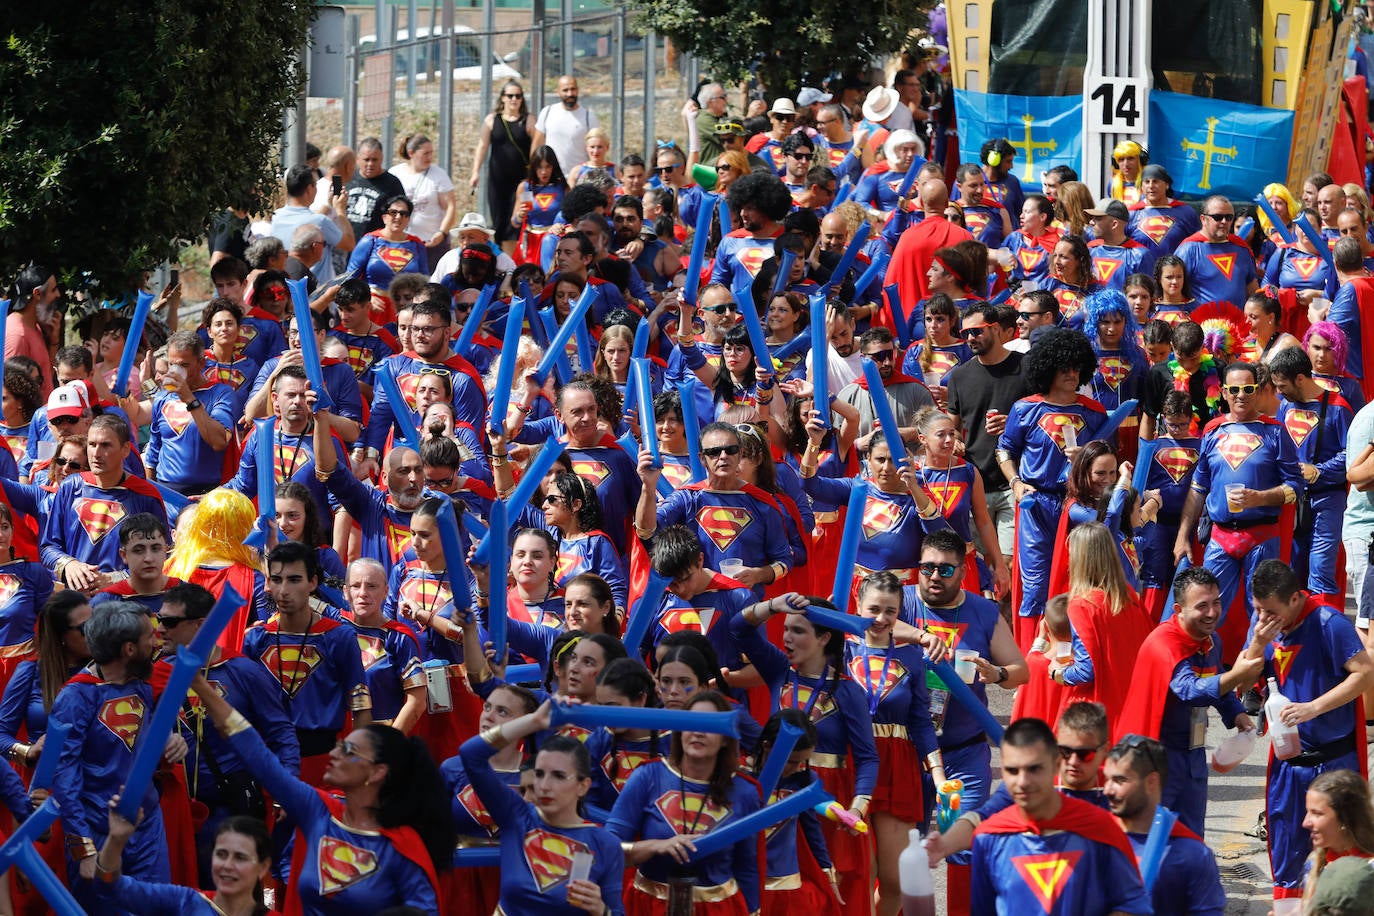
column 786, row 43
column 125, row 125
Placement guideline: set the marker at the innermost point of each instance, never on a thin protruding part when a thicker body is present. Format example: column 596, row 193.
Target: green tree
column 787, row 43
column 126, row 125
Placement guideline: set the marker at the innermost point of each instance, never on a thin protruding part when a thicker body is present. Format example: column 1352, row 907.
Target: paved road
column 1235, row 802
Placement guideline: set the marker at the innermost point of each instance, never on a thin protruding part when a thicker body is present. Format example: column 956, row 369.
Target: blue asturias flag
column 1214, row 147
column 1045, row 131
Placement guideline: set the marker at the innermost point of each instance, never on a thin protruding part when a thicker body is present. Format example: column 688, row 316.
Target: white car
column 467, row 55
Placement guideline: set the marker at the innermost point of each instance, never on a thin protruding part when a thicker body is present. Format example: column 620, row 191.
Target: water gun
column 951, row 796
column 834, row 811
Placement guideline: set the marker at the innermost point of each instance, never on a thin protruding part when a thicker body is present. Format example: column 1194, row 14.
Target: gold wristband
column 495, row 737
column 80, row 844
column 234, row 724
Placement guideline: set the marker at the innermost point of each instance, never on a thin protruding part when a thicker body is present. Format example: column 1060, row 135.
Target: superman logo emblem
column 575, row 731
column 800, row 696
column 373, row 649
column 17, row 445
column 1327, row 383
column 176, row 415
column 874, row 680
column 549, row 856
column 1106, row 268
column 833, row 156
column 360, row 359
column 1224, row 263
column 1053, row 425
column 544, row 201
column 947, row 494
column 1069, row 302
column 796, row 196
column 341, row 864
column 426, row 594
column 122, row 716
column 880, row 515
column 1300, row 424
column 628, row 762
column 394, row 256
column 568, row 564
column 1305, row 265
column 690, row 812
column 9, row 585
column 951, row 633
column 1114, row 370
column 291, row 665
column 98, row 516
column 397, row 539
column 679, row 475
column 247, row 333
column 941, row 361
column 1283, row 661
column 675, row 620
column 723, row 524
column 1156, row 227
column 1234, row 448
column 408, row 382
column 287, row 462
column 976, row 221
column 1176, row 461
column 1047, row 874
column 1030, row 259
column 1205, row 672
column 594, row 472
column 752, row 258
column 476, row 810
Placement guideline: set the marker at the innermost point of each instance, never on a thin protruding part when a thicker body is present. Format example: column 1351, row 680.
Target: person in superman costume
column 1177, row 678
column 339, row 381
column 1157, row 220
column 1032, row 244
column 962, row 620
column 106, row 704
column 260, row 333
column 80, row 539
column 1137, row 775
column 1042, row 434
column 540, row 839
column 1316, row 658
column 315, row 660
column 762, row 202
column 430, row 328
column 371, row 849
column 383, row 516
column 1318, row 421
column 1220, row 266
column 1115, row 254
column 368, row 343
column 1172, row 457
column 735, row 520
column 1246, row 448
column 1050, row 854
column 1122, row 370
column 215, row 776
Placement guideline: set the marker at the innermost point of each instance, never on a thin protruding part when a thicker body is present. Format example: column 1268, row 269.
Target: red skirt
column 470, row 890
column 825, row 551
column 807, row 900
column 851, row 855
column 639, row 902
column 899, row 780
column 444, row 732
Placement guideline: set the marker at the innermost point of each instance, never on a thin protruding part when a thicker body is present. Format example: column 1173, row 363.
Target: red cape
column 1364, row 296
column 1040, row 697
column 1080, row 817
column 1112, row 641
column 1159, row 655
column 404, row 839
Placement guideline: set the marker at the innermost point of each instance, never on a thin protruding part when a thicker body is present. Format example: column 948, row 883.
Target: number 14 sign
column 1116, row 104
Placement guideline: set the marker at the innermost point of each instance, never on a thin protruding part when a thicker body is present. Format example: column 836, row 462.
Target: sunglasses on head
column 943, row 570
column 715, row 451
column 1241, row 389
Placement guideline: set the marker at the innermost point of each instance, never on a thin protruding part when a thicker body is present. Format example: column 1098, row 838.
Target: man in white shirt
column 563, row 125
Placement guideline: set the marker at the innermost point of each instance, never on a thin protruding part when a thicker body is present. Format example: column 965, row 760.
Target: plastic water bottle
column 918, row 887
column 1233, row 750
column 1285, row 737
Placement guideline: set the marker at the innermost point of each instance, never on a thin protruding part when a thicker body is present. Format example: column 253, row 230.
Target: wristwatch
column 194, row 404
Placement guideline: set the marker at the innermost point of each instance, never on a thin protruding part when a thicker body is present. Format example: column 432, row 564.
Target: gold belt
column 827, row 761
column 785, row 883
column 889, row 731
column 477, row 842
column 659, row 891
column 26, row 649
column 825, row 518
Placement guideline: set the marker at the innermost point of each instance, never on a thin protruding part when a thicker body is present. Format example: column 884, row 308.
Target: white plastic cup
column 1234, row 494
column 581, row 866
column 1233, row 750
column 964, row 666
column 731, row 568
column 1288, row 906
column 1063, row 653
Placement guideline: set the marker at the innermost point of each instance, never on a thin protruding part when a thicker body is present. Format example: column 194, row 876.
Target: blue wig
column 1110, row 301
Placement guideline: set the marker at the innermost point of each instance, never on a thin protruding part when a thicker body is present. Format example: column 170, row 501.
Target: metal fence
column 634, row 81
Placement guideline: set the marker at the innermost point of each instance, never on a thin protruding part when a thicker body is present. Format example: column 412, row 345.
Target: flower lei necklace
column 1213, row 380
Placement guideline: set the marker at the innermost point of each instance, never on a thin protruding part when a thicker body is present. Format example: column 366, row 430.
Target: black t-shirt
column 365, row 196
column 229, row 234
column 973, row 390
column 1161, row 382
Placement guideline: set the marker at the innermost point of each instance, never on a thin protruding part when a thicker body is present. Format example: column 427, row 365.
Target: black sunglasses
column 167, row 622
column 715, row 451
column 1220, row 217
column 73, row 463
column 943, row 570
column 64, row 421
column 1027, row 316
column 721, row 309
column 1085, row 754
column 882, row 356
